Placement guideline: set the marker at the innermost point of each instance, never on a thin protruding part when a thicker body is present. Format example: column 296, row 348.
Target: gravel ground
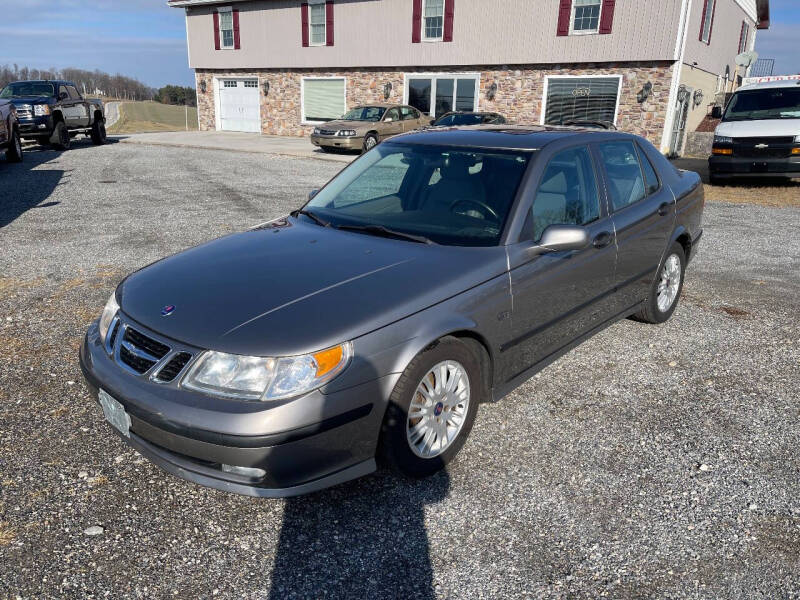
column 652, row 461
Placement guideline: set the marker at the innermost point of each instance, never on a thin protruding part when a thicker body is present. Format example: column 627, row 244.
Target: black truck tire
column 14, row 152
column 98, row 133
column 60, row 138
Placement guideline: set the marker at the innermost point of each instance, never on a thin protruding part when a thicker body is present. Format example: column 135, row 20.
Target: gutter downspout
column 680, row 50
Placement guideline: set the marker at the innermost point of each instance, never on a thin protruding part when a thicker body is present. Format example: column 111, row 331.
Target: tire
column 98, row 133
column 401, row 429
column 60, row 140
column 715, row 180
column 14, row 152
column 370, row 141
column 652, row 311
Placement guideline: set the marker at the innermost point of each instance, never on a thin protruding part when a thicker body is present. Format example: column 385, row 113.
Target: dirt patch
column 736, row 313
column 7, row 534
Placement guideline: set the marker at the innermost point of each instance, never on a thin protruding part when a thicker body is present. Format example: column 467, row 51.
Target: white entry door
column 239, row 105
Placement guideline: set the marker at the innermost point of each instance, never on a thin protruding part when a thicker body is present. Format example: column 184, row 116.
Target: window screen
column 317, row 24
column 586, row 16
column 581, row 99
column 226, row 28
column 434, row 19
column 323, row 99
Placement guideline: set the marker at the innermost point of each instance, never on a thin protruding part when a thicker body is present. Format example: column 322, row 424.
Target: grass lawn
column 137, row 117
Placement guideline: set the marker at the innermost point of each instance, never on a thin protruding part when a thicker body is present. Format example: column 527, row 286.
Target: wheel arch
column 58, row 116
column 682, row 236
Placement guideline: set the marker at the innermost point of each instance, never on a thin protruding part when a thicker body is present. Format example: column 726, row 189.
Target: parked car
column 463, row 117
column 759, row 134
column 54, row 112
column 363, row 127
column 9, row 132
column 374, row 320
column 589, row 124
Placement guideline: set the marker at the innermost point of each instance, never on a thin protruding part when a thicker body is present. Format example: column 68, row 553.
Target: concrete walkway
column 236, row 142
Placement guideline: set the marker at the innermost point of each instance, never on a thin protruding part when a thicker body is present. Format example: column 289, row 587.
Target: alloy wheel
column 438, row 409
column 669, row 283
column 370, row 143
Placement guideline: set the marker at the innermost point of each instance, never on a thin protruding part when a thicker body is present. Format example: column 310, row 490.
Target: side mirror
column 561, row 238
column 388, row 120
column 716, row 112
column 63, row 96
column 312, row 193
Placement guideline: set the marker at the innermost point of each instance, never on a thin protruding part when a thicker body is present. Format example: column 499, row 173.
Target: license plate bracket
column 115, row 413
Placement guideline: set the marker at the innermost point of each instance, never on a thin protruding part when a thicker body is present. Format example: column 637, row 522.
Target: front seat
column 456, row 184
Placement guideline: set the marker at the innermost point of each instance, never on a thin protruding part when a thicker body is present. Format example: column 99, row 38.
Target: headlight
column 723, row 139
column 41, row 110
column 316, row 131
column 346, row 132
column 797, row 139
column 263, row 378
column 109, row 312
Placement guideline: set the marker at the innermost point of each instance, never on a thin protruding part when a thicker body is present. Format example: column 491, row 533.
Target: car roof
column 375, row 105
column 516, row 137
column 783, row 83
column 57, row 81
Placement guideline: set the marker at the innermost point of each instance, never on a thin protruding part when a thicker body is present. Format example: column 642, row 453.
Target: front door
column 643, row 212
column 239, row 105
column 559, row 296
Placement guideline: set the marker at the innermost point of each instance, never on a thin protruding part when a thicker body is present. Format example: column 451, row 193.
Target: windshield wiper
column 310, row 215
column 382, row 231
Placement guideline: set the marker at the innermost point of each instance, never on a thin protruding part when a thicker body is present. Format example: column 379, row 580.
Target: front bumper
column 332, row 141
column 735, row 166
column 36, row 126
column 323, row 448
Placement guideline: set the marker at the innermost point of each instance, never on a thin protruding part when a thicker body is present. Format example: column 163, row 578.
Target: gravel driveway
column 652, row 461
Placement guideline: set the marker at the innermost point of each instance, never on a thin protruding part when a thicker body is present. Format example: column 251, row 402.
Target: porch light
column 698, row 97
column 683, row 94
column 203, row 85
column 644, row 93
column 492, row 91
column 387, row 90
column 266, row 88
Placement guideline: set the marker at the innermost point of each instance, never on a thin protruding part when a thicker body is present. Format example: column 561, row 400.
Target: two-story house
column 282, row 66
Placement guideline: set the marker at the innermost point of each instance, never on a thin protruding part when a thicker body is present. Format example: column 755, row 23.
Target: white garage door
column 239, row 105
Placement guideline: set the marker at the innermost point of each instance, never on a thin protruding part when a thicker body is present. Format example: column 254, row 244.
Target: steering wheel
column 485, row 208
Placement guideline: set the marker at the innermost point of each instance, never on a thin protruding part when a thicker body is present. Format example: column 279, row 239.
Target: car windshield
column 364, row 113
column 450, row 195
column 28, row 88
column 461, row 119
column 772, row 103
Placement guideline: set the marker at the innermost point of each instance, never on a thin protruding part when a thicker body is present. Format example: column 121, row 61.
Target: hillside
column 137, row 117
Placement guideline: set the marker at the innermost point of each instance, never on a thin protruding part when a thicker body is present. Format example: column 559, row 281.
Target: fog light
column 42, row 126
column 250, row 472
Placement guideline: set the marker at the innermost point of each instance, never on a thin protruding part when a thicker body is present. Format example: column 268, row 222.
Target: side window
column 567, row 194
column 408, row 113
column 392, row 114
column 625, row 181
column 73, row 93
column 650, row 177
column 62, row 89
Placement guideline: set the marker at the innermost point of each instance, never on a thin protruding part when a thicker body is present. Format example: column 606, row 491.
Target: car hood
column 359, row 126
column 291, row 287
column 30, row 100
column 759, row 128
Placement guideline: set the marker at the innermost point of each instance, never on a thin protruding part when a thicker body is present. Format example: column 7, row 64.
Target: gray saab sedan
column 440, row 270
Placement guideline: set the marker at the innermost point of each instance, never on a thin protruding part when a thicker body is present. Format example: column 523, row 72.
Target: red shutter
column 304, row 22
column 607, row 16
column 236, row 43
column 564, row 13
column 329, row 23
column 216, row 31
column 741, row 38
column 703, row 19
column 449, row 10
column 416, row 22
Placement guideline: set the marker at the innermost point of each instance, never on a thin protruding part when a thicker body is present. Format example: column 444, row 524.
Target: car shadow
column 363, row 539
column 26, row 185
column 700, row 166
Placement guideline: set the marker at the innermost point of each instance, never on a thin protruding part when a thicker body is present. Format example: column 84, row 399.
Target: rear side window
column 73, row 93
column 626, row 184
column 567, row 194
column 650, row 177
column 409, row 113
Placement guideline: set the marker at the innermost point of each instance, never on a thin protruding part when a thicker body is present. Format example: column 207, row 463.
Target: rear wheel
column 14, row 152
column 666, row 289
column 432, row 408
column 98, row 133
column 60, row 138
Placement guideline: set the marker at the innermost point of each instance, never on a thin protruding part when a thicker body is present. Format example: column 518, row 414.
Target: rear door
column 559, row 296
column 411, row 118
column 643, row 213
column 392, row 123
column 79, row 113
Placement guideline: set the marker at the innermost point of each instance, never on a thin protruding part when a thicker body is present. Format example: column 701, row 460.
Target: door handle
column 601, row 240
column 663, row 210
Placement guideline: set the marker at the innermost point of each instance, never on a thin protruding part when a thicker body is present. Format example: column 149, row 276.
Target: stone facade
column 519, row 97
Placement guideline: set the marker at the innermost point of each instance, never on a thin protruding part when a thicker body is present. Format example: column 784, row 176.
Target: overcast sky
column 146, row 39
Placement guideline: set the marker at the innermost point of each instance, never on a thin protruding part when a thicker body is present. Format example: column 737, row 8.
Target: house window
column 743, row 37
column 585, row 16
column 316, row 23
column 708, row 19
column 435, row 95
column 322, row 99
column 581, row 99
column 226, row 28
column 433, row 20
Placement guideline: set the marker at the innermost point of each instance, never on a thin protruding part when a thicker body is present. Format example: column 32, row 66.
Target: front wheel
column 666, row 289
column 14, row 152
column 98, row 133
column 432, row 408
column 370, row 141
column 60, row 138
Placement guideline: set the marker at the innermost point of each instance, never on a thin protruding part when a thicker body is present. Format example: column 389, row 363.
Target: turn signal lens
column 795, row 150
column 728, row 151
column 328, row 360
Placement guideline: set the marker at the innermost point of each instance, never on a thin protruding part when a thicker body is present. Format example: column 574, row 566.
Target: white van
column 759, row 135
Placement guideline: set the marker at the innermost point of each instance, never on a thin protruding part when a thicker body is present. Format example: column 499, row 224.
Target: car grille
column 24, row 112
column 327, row 132
column 141, row 352
column 777, row 147
column 173, row 368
